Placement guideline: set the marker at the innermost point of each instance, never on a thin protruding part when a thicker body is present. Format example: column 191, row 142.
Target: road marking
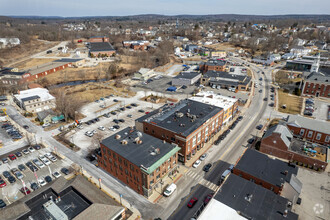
column 199, row 178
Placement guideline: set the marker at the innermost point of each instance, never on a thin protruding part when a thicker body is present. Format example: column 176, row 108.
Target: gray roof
column 323, row 77
column 296, row 184
column 215, row 63
column 101, row 46
column 167, row 117
column 187, row 75
column 263, row 203
column 227, row 78
column 311, row 124
column 144, row 154
column 68, row 60
column 43, row 114
column 261, row 166
column 284, row 132
column 30, row 98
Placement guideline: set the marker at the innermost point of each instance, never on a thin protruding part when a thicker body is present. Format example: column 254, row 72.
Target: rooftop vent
column 124, row 142
column 117, row 136
column 248, row 197
column 139, row 142
column 179, row 114
column 139, row 134
column 285, row 214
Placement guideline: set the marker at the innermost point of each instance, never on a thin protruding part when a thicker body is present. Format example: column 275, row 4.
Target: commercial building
column 216, row 65
column 143, row 74
column 189, row 124
column 229, row 105
column 138, row 160
column 270, row 173
column 218, row 54
column 279, row 141
column 101, row 49
column 98, row 39
column 76, row 199
column 241, row 199
column 317, row 84
column 186, row 79
column 136, row 44
column 11, row 76
column 35, row 100
column 226, row 80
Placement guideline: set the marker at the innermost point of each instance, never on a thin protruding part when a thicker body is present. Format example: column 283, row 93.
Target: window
column 109, row 152
column 302, row 131
column 146, row 129
column 120, row 167
column 153, row 131
column 119, row 159
column 212, row 125
column 216, row 122
column 125, row 163
column 126, row 172
column 131, row 166
column 114, row 156
column 158, row 176
column 110, row 160
column 151, row 182
column 194, row 141
column 116, row 165
column 173, row 139
column 158, row 169
column 206, row 130
column 327, row 139
column 310, row 134
column 199, row 137
column 318, row 136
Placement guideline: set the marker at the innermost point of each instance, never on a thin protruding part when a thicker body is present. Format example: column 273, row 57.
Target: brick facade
column 310, row 135
column 98, row 39
column 45, row 73
column 316, row 89
column 204, row 67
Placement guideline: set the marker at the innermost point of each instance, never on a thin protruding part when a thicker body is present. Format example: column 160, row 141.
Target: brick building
column 217, row 65
column 138, row 160
column 95, row 39
column 136, row 44
column 11, row 76
column 189, row 124
column 100, row 46
column 229, row 105
column 317, row 84
column 279, row 141
column 313, row 130
column 272, row 174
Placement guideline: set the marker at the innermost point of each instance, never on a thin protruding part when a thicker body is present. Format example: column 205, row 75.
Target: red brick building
column 189, row 124
column 317, row 84
column 101, row 47
column 272, row 174
column 216, row 65
column 278, row 141
column 138, row 160
column 137, row 44
column 98, row 39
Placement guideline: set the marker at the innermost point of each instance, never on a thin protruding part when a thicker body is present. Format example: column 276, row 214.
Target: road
column 223, row 155
column 193, row 183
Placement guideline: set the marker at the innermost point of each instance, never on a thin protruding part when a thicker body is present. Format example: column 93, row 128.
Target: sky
column 76, row 8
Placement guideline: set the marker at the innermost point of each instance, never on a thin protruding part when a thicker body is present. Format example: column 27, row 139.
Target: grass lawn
column 293, row 103
column 281, row 77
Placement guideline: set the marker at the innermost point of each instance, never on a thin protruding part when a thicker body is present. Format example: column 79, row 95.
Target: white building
column 35, row 100
column 9, row 42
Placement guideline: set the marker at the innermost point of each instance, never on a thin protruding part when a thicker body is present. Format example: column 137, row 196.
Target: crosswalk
column 200, row 179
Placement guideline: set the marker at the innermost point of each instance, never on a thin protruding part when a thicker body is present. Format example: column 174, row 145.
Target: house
column 299, row 51
column 270, row 173
column 188, row 123
column 46, row 116
column 268, row 62
column 229, row 105
column 279, row 141
column 274, row 57
column 139, row 160
column 241, row 199
column 288, row 56
column 137, row 44
column 186, row 78
column 216, row 65
column 218, row 54
column 191, row 48
column 143, row 74
column 226, row 80
column 98, row 39
column 35, row 100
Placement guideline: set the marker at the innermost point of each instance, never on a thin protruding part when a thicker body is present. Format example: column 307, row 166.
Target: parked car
column 11, row 179
column 207, row 199
column 25, row 190
column 259, row 127
column 18, row 154
column 130, row 116
column 192, row 202
column 56, row 174
column 38, row 163
column 203, row 157
column 44, row 160
column 141, row 110
column 31, row 149
column 6, row 174
column 48, row 179
column 116, row 126
column 42, row 182
column 197, row 163
column 37, row 147
column 121, row 120
column 240, row 118
column 21, row 167
column 2, row 204
column 101, row 128
column 19, row 175
column 12, row 157
column 25, row 126
column 65, row 171
column 34, row 186
column 5, row 160
column 2, row 183
column 251, row 140
column 207, row 167
column 25, row 151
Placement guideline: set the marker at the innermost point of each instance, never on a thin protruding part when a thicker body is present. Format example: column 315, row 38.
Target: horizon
column 103, row 8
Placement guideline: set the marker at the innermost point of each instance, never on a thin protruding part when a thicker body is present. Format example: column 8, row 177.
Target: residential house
column 191, row 48
column 143, row 74
column 46, row 116
column 274, row 57
column 299, row 51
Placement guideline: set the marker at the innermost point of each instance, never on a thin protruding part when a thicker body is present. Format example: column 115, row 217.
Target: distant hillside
column 214, row 17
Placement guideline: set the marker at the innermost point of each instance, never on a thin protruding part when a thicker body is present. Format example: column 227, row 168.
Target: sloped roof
column 284, row 132
column 311, row 124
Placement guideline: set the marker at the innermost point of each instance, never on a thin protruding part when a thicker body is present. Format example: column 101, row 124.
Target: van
column 224, row 175
column 170, row 189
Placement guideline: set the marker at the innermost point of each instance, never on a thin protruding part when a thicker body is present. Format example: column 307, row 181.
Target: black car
column 207, row 167
column 116, row 121
column 265, row 99
column 259, row 127
column 129, row 107
column 6, row 174
column 11, row 179
column 115, row 100
column 260, row 91
column 133, row 104
column 122, row 109
column 271, row 104
column 18, row 154
column 96, row 119
column 48, row 179
column 65, row 171
column 260, row 78
column 2, row 204
column 222, row 137
column 37, row 147
column 116, row 126
column 34, row 186
column 251, row 140
column 141, row 110
column 25, row 127
column 121, row 120
column 21, row 167
column 113, row 113
column 240, row 118
column 88, row 122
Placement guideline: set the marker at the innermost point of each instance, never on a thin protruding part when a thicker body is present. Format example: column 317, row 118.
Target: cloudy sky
column 68, row 8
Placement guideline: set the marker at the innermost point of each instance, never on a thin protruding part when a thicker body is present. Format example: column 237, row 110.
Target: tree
column 67, row 105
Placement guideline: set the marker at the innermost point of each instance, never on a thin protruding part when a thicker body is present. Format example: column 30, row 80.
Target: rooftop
column 212, row 98
column 308, row 149
column 311, row 124
column 253, row 201
column 141, row 149
column 225, row 77
column 46, row 67
column 183, row 117
column 101, row 46
column 187, row 75
column 215, row 63
column 31, row 94
column 265, row 168
column 67, row 60
column 321, row 76
column 284, row 132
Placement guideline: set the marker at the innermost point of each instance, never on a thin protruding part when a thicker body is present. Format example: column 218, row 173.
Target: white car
column 101, row 128
column 197, row 163
column 50, row 157
column 44, row 160
column 38, row 163
column 42, row 182
column 56, row 174
column 31, row 149
column 112, row 129
column 45, row 125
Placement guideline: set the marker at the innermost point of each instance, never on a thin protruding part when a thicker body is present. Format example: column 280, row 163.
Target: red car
column 2, row 183
column 207, row 199
column 25, row 190
column 12, row 157
column 192, row 202
column 147, row 113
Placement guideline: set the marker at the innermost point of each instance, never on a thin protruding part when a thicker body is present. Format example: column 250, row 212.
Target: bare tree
column 66, row 104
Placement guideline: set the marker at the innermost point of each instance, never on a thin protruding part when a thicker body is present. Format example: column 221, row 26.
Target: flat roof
column 150, row 153
column 265, row 168
column 209, row 97
column 30, row 94
column 187, row 75
column 308, row 149
column 30, row 98
column 46, row 67
column 67, row 60
column 183, row 117
column 101, row 46
column 215, row 63
column 253, row 201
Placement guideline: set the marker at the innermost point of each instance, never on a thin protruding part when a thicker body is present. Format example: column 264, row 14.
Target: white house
column 274, row 57
column 299, row 51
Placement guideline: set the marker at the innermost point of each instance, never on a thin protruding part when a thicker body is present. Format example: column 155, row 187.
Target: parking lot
column 9, row 133
column 11, row 192
column 87, row 136
column 321, row 109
